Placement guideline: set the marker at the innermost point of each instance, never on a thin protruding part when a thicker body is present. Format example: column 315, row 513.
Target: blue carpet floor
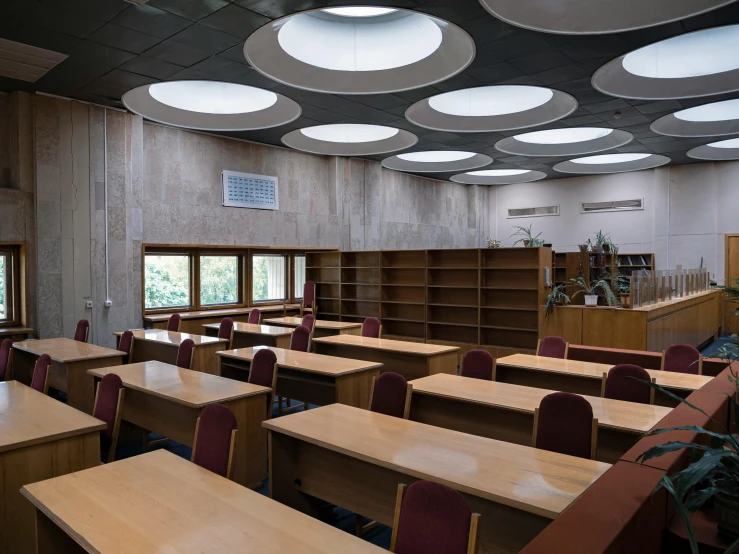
column 711, row 351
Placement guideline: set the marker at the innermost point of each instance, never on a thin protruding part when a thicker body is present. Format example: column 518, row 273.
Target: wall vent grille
column 533, row 212
column 611, row 206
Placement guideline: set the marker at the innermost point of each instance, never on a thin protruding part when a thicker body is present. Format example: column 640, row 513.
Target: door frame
column 727, row 238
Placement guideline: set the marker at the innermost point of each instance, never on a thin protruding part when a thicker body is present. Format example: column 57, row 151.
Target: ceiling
column 114, row 46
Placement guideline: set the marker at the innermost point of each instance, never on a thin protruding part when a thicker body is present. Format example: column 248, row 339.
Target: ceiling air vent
column 25, row 62
column 611, row 206
column 533, row 212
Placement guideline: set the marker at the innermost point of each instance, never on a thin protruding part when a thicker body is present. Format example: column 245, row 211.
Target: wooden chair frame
column 408, row 396
column 313, row 309
column 538, row 345
column 605, row 378
column 230, row 449
column 116, row 421
column 472, row 541
column 9, row 366
column 700, row 363
column 593, row 434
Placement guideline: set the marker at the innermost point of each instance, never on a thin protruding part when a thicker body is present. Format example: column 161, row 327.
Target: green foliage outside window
column 166, row 281
column 219, row 280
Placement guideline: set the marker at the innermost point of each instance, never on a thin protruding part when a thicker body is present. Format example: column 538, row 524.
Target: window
column 166, row 281
column 299, row 275
column 9, row 285
column 219, row 280
column 268, row 277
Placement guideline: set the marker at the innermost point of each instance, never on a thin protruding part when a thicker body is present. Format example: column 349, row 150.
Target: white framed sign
column 247, row 190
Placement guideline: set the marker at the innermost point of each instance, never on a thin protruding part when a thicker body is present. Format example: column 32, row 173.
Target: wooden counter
column 192, row 322
column 246, row 335
column 321, row 328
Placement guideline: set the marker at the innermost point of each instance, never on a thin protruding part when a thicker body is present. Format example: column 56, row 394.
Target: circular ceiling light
column 491, row 108
column 715, row 119
column 211, row 105
column 564, row 142
column 359, row 50
column 499, row 177
column 700, row 63
column 612, row 163
column 349, row 139
column 590, row 17
column 722, row 150
column 438, row 161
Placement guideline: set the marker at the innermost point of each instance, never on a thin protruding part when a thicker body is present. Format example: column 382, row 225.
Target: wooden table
column 584, row 377
column 254, row 334
column 192, row 322
column 505, row 412
column 40, row 438
column 321, row 328
column 159, row 503
column 411, row 359
column 355, row 459
column 15, row 333
column 70, row 361
column 312, row 378
column 162, row 345
column 168, row 400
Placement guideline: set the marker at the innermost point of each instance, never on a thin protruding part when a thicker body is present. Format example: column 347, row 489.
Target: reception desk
column 694, row 320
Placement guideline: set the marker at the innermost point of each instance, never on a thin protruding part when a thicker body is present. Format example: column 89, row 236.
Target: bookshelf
column 403, row 294
column 324, row 268
column 360, row 285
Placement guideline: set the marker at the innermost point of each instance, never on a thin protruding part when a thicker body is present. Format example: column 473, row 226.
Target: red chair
column 6, row 358
column 226, row 329
column 263, row 372
column 620, row 383
column 255, row 315
column 82, row 332
column 308, row 321
column 215, row 435
column 564, row 423
column 300, row 339
column 308, row 303
column 682, row 358
column 372, row 328
column 390, row 395
column 185, row 354
column 40, row 379
column 174, row 323
column 431, row 518
column 126, row 345
column 552, row 347
column 108, row 408
column 478, row 364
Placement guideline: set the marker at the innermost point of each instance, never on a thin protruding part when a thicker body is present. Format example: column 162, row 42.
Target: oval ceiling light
column 564, row 142
column 349, row 139
column 591, row 17
column 438, row 161
column 491, row 108
column 695, row 64
column 612, row 163
column 359, row 50
column 715, row 119
column 722, row 150
column 211, row 105
column 498, row 177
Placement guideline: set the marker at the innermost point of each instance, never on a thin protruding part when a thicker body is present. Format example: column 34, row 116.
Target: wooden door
column 731, row 321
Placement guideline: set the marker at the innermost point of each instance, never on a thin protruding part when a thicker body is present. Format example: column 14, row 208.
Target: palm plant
column 527, row 237
column 558, row 297
column 592, row 288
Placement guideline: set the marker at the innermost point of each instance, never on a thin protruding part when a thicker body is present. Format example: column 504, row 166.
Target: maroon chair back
column 40, row 371
column 621, row 384
column 389, row 395
column 82, row 332
column 106, row 403
column 174, row 323
column 224, row 331
column 308, row 291
column 5, row 357
column 371, row 328
column 681, row 358
column 212, row 448
column 254, row 316
column 552, row 347
column 478, row 364
column 308, row 321
column 434, row 519
column 565, row 424
column 300, row 340
column 125, row 345
column 184, row 354
column 262, row 368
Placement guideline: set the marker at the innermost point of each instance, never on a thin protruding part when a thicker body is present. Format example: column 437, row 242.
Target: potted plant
column 624, row 291
column 557, row 297
column 602, row 242
column 527, row 237
column 590, row 291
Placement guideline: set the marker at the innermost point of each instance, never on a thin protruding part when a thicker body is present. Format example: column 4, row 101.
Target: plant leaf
column 697, row 471
column 660, row 450
column 733, row 547
column 683, row 513
column 699, row 498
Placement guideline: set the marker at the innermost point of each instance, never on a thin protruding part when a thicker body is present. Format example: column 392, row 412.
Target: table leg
column 250, row 452
column 50, row 539
column 354, row 389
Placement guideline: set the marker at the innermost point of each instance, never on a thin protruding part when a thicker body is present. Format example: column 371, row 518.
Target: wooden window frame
column 286, row 291
column 240, row 256
column 15, row 284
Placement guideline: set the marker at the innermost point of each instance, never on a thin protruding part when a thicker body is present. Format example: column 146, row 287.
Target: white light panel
column 436, row 156
column 349, row 133
column 564, row 136
column 498, row 172
column 731, row 143
column 717, row 111
column 490, row 101
column 610, row 159
column 212, row 97
column 359, row 11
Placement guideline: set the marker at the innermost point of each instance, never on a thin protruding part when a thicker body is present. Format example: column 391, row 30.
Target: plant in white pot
column 590, row 291
column 528, row 238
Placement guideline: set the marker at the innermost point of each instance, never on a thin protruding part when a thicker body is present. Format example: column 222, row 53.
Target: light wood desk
column 584, row 377
column 159, row 503
column 40, row 438
column 15, row 333
column 254, row 334
column 411, row 359
column 168, row 400
column 355, row 459
column 312, row 378
column 192, row 322
column 162, row 346
column 70, row 361
column 506, row 412
column 321, row 328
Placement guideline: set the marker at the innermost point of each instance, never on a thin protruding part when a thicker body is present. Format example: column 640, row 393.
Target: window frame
column 239, row 279
column 168, row 252
column 286, row 277
column 14, row 284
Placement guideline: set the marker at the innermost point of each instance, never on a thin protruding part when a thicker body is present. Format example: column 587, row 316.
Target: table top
column 405, row 347
column 612, row 414
column 225, row 312
column 28, row 417
column 160, row 503
column 66, row 350
column 305, row 361
column 535, row 481
column 319, row 323
column 171, row 337
column 254, row 329
column 682, row 381
column 183, row 386
column 15, row 330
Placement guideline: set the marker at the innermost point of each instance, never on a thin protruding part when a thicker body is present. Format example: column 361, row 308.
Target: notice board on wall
column 247, row 190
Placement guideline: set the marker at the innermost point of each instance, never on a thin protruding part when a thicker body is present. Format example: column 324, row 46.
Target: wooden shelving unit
column 360, row 285
column 403, row 294
column 324, row 268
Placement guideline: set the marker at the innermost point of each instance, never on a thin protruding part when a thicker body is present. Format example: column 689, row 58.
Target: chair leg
column 361, row 527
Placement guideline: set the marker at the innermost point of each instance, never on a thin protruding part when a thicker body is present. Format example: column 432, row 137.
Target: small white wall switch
column 88, row 304
column 108, row 303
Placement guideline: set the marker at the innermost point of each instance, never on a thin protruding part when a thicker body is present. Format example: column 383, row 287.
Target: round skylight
column 498, row 177
column 612, row 163
column 436, row 156
column 716, row 111
column 610, row 159
column 436, row 161
column 721, row 150
column 212, row 97
column 359, row 11
column 349, row 133
column 499, row 172
column 731, row 143
column 564, row 142
column 716, row 118
column 564, row 136
column 489, row 101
